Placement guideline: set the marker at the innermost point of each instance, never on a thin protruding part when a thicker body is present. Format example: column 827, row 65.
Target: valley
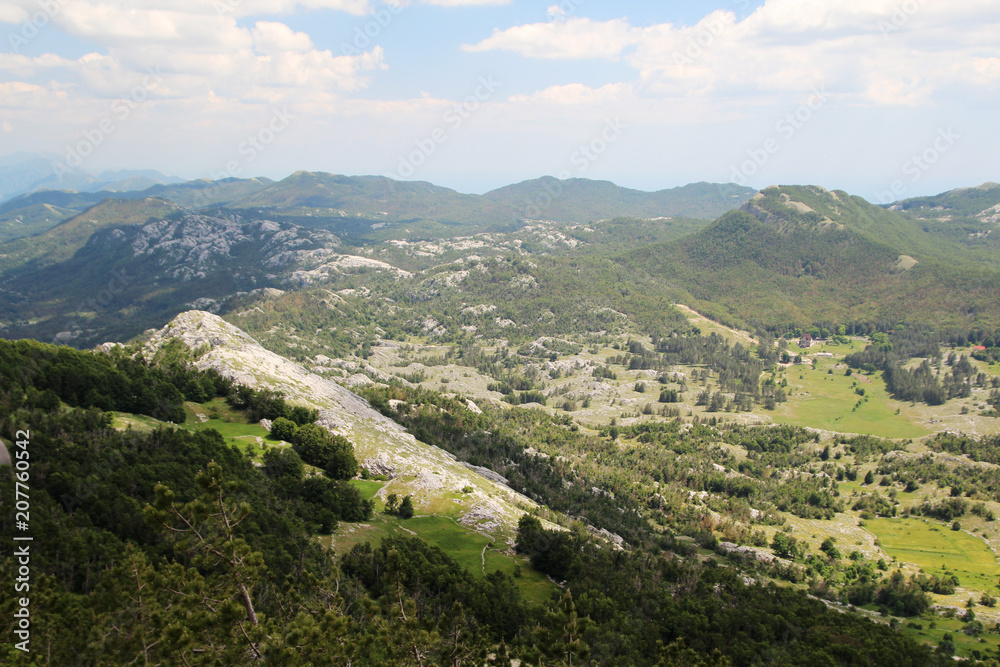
column 796, row 400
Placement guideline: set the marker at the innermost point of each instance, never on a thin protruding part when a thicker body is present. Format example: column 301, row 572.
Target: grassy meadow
column 936, row 549
column 832, row 402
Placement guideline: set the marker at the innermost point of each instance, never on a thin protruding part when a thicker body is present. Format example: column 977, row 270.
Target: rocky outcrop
column 417, row 469
column 487, row 473
column 377, row 466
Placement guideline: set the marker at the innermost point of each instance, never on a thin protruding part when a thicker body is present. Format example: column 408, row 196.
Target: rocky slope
column 107, row 275
column 432, row 476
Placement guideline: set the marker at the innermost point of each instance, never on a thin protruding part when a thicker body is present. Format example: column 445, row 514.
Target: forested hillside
column 168, row 545
column 795, row 255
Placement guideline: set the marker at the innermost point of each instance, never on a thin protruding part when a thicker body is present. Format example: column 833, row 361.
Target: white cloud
column 235, row 8
column 26, row 67
column 985, row 71
column 11, row 13
column 577, row 94
column 466, row 3
column 271, row 37
column 573, row 38
column 882, row 52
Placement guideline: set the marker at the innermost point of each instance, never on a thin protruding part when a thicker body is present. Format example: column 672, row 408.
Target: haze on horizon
column 874, row 97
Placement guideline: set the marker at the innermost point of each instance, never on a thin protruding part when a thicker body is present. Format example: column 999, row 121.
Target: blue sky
column 883, row 98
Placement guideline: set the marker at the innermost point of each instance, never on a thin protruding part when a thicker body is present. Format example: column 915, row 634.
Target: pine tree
column 406, row 508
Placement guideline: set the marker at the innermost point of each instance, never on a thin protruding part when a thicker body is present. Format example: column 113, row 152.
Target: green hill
column 379, row 199
column 580, row 199
column 32, row 219
column 119, row 268
column 961, row 201
column 801, row 254
column 66, row 238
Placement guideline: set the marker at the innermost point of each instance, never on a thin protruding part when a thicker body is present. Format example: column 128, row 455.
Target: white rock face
column 419, row 469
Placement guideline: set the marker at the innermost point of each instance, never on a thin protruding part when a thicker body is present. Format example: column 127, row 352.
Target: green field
column 367, row 488
column 964, row 644
column 937, row 549
column 825, row 401
column 126, row 420
column 465, row 546
column 231, row 424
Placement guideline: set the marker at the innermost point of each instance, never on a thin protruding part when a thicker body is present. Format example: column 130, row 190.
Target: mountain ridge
column 420, row 470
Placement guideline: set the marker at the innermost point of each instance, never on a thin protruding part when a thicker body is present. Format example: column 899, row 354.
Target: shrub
column 283, row 462
column 283, row 429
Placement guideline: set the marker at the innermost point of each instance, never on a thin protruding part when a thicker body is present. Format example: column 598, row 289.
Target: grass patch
column 462, row 544
column 231, row 424
column 828, row 402
column 964, row 644
column 937, row 549
column 367, row 488
column 534, row 586
column 125, row 420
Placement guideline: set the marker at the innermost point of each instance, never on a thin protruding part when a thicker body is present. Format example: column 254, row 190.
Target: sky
column 886, row 99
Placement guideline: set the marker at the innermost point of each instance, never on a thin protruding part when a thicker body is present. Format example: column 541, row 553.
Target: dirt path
column 695, row 317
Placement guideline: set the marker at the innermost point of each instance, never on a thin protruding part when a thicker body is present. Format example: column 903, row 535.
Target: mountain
column 126, row 265
column 801, row 254
column 65, row 238
column 378, row 199
column 32, row 219
column 966, row 220
column 580, row 199
column 370, row 208
column 39, row 211
column 24, row 173
column 62, row 248
column 131, row 180
column 981, row 202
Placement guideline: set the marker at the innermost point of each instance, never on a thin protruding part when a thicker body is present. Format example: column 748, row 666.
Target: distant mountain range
column 546, row 198
column 788, row 254
column 24, row 173
column 356, row 206
column 200, row 242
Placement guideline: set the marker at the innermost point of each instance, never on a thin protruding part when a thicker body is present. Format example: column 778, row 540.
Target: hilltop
column 799, row 254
